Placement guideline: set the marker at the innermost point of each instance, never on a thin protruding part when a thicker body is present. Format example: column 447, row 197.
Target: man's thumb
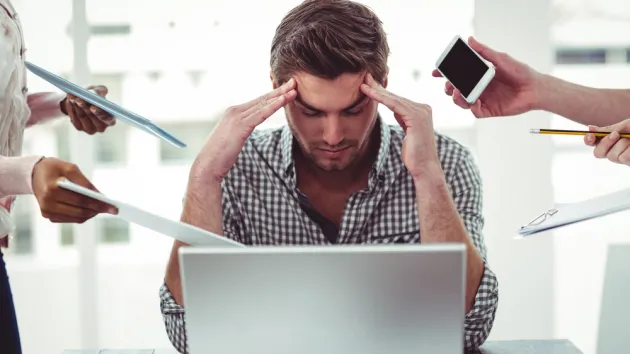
column 486, row 52
column 99, row 90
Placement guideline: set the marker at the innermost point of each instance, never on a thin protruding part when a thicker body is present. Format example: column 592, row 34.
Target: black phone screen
column 463, row 68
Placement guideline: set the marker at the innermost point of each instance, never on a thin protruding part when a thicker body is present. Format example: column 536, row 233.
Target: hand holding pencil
column 611, row 142
column 614, row 146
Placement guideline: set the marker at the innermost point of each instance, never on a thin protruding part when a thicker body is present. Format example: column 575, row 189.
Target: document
column 115, row 110
column 571, row 213
column 186, row 233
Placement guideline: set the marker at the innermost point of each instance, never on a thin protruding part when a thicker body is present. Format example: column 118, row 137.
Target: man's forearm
column 585, row 105
column 202, row 208
column 440, row 223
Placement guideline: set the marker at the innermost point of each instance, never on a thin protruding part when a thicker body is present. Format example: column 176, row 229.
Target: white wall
column 517, row 177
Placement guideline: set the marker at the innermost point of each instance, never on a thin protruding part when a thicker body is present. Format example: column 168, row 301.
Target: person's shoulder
column 261, row 150
column 264, row 141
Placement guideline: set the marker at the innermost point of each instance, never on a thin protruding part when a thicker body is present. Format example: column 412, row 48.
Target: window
column 597, row 59
column 110, row 30
column 194, row 134
column 22, row 242
column 580, row 56
column 111, row 145
column 113, row 230
column 62, row 140
column 66, row 234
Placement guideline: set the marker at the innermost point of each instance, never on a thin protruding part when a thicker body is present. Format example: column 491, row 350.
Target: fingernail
column 614, row 135
column 112, row 210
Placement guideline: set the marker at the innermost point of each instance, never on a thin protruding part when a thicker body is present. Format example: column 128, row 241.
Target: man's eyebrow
column 357, row 102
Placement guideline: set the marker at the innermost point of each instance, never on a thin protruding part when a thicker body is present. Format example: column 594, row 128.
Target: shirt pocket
column 404, row 237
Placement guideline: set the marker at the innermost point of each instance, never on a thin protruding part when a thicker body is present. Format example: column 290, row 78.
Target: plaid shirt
column 261, row 206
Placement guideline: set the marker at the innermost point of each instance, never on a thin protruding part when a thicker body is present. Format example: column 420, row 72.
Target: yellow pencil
column 575, row 132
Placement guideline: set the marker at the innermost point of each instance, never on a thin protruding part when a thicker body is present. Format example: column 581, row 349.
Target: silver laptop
column 395, row 299
column 614, row 331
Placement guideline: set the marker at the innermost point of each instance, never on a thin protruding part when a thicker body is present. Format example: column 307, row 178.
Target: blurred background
column 181, row 63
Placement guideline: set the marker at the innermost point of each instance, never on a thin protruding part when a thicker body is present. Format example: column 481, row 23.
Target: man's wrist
column 430, row 173
column 547, row 91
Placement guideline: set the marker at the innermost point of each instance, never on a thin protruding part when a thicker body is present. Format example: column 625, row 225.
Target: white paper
column 571, row 213
column 186, row 233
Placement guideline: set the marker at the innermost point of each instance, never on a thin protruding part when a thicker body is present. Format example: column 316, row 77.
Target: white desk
column 498, row 347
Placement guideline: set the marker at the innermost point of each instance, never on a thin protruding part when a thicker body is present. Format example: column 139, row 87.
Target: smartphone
column 465, row 69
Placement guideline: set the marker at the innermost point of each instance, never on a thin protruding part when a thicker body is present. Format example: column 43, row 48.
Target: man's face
column 331, row 119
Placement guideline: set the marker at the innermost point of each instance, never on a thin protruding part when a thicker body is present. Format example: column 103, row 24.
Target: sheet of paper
column 115, row 110
column 186, row 233
column 571, row 213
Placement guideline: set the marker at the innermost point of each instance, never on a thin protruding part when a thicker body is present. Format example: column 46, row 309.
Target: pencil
column 575, row 132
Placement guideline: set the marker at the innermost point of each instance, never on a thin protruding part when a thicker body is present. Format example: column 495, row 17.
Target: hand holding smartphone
column 465, row 69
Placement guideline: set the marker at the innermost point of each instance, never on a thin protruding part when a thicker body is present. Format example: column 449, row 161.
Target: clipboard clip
column 541, row 218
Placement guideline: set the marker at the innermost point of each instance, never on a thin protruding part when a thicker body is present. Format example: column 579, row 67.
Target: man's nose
column 333, row 132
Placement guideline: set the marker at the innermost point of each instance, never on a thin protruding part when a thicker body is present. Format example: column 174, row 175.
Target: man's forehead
column 344, row 90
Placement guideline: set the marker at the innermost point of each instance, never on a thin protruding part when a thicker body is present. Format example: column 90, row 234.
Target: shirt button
column 15, row 16
column 24, row 89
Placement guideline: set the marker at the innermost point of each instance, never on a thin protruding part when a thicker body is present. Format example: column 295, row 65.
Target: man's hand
column 60, row 205
column 612, row 147
column 419, row 153
column 512, row 91
column 86, row 117
column 225, row 143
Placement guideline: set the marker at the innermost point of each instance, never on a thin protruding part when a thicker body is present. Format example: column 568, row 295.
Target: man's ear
column 273, row 81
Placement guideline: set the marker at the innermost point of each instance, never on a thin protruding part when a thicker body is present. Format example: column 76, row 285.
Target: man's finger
column 476, row 109
column 77, row 177
column 483, row 50
column 74, row 117
column 436, row 73
column 98, row 124
column 604, row 145
column 69, row 213
column 624, row 157
column 262, row 113
column 616, row 150
column 459, row 100
column 449, row 88
column 375, row 91
column 103, row 116
column 281, row 90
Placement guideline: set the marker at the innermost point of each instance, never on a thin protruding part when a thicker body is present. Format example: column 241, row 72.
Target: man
column 517, row 89
column 336, row 174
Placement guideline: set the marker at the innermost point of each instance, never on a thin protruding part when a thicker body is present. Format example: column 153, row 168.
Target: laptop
column 367, row 299
column 614, row 332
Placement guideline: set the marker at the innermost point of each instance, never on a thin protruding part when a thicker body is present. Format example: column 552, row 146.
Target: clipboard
column 186, row 233
column 572, row 213
column 115, row 110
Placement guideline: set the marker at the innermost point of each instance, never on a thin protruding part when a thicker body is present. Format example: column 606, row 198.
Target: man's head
column 329, row 46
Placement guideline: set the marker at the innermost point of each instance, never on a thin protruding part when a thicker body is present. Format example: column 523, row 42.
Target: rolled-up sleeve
column 174, row 321
column 468, row 198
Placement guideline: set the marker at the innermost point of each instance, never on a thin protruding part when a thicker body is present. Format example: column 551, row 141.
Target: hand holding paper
column 183, row 232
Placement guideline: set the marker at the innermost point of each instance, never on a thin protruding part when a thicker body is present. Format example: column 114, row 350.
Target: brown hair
column 328, row 38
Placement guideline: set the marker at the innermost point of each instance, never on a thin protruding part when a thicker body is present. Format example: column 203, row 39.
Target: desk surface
column 528, row 347
column 496, row 347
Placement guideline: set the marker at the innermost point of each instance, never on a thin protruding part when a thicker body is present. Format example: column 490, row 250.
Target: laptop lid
column 614, row 331
column 325, row 299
